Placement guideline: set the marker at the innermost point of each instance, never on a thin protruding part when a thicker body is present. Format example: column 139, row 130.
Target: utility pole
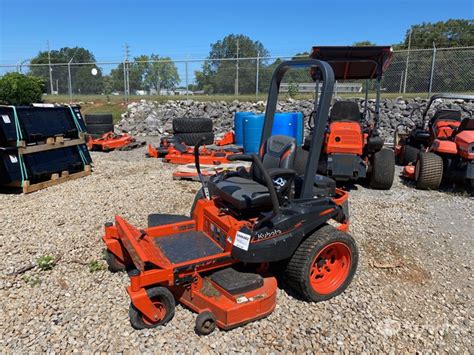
column 406, row 64
column 50, row 69
column 187, row 85
column 256, row 79
column 237, row 71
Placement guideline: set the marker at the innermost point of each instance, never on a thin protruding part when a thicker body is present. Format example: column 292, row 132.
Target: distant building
column 183, row 92
column 311, row 87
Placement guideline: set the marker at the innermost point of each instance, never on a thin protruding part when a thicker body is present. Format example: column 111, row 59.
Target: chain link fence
column 421, row 72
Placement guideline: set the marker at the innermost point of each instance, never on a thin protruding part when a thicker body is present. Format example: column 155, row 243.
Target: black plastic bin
column 40, row 166
column 39, row 123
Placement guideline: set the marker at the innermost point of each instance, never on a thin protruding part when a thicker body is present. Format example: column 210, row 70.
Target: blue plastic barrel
column 284, row 125
column 298, row 121
column 252, row 132
column 238, row 126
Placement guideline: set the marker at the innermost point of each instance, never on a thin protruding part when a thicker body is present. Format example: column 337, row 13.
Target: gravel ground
column 413, row 290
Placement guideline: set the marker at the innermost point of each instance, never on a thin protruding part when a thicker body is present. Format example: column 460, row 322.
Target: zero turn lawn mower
column 218, row 262
column 438, row 148
column 353, row 148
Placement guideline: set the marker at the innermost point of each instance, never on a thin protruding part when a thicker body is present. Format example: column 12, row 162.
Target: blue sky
column 187, row 28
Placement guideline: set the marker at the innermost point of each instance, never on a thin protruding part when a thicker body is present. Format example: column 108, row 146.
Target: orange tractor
column 438, row 148
column 353, row 148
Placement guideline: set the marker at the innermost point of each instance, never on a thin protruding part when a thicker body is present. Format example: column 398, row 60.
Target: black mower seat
column 345, row 111
column 420, row 134
column 446, row 115
column 467, row 124
column 241, row 193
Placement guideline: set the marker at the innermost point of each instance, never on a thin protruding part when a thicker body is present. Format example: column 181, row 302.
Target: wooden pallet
column 49, row 144
column 56, row 179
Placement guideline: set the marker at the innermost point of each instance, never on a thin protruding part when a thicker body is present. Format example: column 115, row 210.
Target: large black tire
column 105, row 118
column 162, row 298
column 428, row 171
column 300, row 161
column 409, row 154
column 199, row 195
column 99, row 129
column 193, row 138
column 383, row 169
column 307, row 263
column 192, row 125
column 114, row 265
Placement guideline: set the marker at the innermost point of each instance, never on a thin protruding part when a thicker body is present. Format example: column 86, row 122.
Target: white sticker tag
column 242, row 240
column 13, row 159
column 6, row 119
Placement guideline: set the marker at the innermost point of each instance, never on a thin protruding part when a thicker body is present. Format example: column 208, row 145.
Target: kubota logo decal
column 267, row 235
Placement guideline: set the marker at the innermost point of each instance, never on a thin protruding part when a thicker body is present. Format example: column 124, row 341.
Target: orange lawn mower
column 112, row 141
column 440, row 148
column 219, row 262
column 353, row 148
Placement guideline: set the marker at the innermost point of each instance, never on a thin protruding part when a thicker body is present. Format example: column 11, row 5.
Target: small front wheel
column 114, row 265
column 205, row 323
column 323, row 265
column 164, row 303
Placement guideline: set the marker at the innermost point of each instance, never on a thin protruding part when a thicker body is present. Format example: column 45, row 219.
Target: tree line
column 153, row 73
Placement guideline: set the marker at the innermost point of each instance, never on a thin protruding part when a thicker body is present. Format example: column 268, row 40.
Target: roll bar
column 444, row 96
column 320, row 118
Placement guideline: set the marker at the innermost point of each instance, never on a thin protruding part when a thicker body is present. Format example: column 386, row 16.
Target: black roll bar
column 320, row 118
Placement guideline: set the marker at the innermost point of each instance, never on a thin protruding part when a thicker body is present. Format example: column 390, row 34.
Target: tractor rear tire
column 323, row 265
column 98, row 119
column 163, row 300
column 191, row 139
column 192, row 125
column 300, row 161
column 409, row 154
column 428, row 171
column 383, row 169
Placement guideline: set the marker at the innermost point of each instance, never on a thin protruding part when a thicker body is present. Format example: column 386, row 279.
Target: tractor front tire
column 114, row 265
column 428, row 171
column 324, row 265
column 383, row 169
column 164, row 302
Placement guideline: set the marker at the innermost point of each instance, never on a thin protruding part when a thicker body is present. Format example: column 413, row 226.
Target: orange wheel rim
column 330, row 268
column 160, row 312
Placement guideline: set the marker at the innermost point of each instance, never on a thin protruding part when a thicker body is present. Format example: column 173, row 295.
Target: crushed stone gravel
column 413, row 290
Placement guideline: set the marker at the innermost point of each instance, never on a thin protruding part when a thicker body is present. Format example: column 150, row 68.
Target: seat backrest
column 278, row 152
column 345, row 111
column 467, row 124
column 446, row 115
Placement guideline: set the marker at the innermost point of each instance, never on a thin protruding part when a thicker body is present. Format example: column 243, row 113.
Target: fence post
column 406, row 65
column 401, row 82
column 69, row 79
column 432, row 69
column 187, row 85
column 125, row 83
column 256, row 79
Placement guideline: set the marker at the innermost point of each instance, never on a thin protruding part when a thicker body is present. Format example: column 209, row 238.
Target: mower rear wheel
column 199, row 195
column 383, row 169
column 428, row 171
column 205, row 323
column 114, row 265
column 164, row 302
column 323, row 265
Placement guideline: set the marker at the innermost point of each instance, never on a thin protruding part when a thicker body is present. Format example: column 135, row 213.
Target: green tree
column 82, row 80
column 19, row 89
column 218, row 76
column 161, row 73
column 363, row 44
column 451, row 33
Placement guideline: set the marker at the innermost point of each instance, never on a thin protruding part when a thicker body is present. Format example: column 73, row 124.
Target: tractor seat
column 345, row 111
column 467, row 124
column 250, row 192
column 446, row 115
column 420, row 134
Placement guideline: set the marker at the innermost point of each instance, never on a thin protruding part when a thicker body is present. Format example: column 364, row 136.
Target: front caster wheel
column 164, row 303
column 114, row 265
column 205, row 323
column 323, row 265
